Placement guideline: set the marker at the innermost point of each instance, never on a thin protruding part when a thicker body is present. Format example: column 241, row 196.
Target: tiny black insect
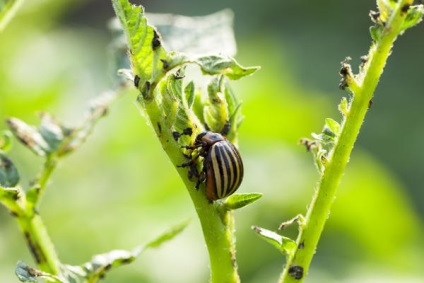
column 156, row 40
column 296, row 272
column 136, row 81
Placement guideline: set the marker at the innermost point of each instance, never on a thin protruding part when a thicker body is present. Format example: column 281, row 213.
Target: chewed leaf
column 29, row 136
column 225, row 65
column 283, row 244
column 344, row 106
column 237, row 201
column 9, row 175
column 197, row 35
column 147, row 55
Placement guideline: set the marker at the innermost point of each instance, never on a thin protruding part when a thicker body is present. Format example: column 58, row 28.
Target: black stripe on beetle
column 222, row 165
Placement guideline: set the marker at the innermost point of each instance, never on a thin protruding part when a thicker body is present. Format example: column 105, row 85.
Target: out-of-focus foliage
column 119, row 190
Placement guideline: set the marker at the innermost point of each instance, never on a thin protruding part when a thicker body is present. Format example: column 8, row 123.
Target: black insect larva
column 222, row 165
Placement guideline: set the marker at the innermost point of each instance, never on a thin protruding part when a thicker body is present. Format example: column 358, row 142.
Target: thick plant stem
column 310, row 230
column 39, row 243
column 217, row 226
column 218, row 231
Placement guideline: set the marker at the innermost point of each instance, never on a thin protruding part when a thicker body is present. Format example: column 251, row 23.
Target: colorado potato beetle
column 222, row 165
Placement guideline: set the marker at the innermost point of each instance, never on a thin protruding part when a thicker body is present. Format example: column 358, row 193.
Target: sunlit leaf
column 147, row 54
column 237, row 201
column 285, row 245
column 5, row 140
column 332, row 125
column 343, row 106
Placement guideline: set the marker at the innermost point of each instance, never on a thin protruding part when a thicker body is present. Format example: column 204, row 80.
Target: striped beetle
column 222, row 165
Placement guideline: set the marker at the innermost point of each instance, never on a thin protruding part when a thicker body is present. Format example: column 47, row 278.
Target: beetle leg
column 201, row 179
column 192, row 172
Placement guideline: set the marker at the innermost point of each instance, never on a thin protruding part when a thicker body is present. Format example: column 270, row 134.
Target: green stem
column 218, row 227
column 218, row 231
column 8, row 11
column 23, row 207
column 35, row 194
column 310, row 230
column 39, row 243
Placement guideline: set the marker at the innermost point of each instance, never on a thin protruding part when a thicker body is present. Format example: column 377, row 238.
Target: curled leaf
column 29, row 136
column 9, row 175
column 283, row 244
column 224, row 65
column 52, row 131
column 413, row 17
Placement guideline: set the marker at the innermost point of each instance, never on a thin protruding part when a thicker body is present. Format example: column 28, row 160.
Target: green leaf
column 9, row 175
column 216, row 112
column 5, row 140
column 283, row 244
column 224, row 65
column 333, row 126
column 148, row 58
column 376, row 32
column 413, row 17
column 344, row 106
column 100, row 264
column 167, row 235
column 237, row 201
column 189, row 91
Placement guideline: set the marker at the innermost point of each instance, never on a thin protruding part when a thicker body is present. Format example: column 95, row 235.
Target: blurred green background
column 119, row 190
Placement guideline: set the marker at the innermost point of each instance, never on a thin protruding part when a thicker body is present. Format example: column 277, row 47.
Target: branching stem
column 298, row 265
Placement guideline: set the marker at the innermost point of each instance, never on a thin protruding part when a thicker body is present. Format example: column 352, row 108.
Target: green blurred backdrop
column 119, row 190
